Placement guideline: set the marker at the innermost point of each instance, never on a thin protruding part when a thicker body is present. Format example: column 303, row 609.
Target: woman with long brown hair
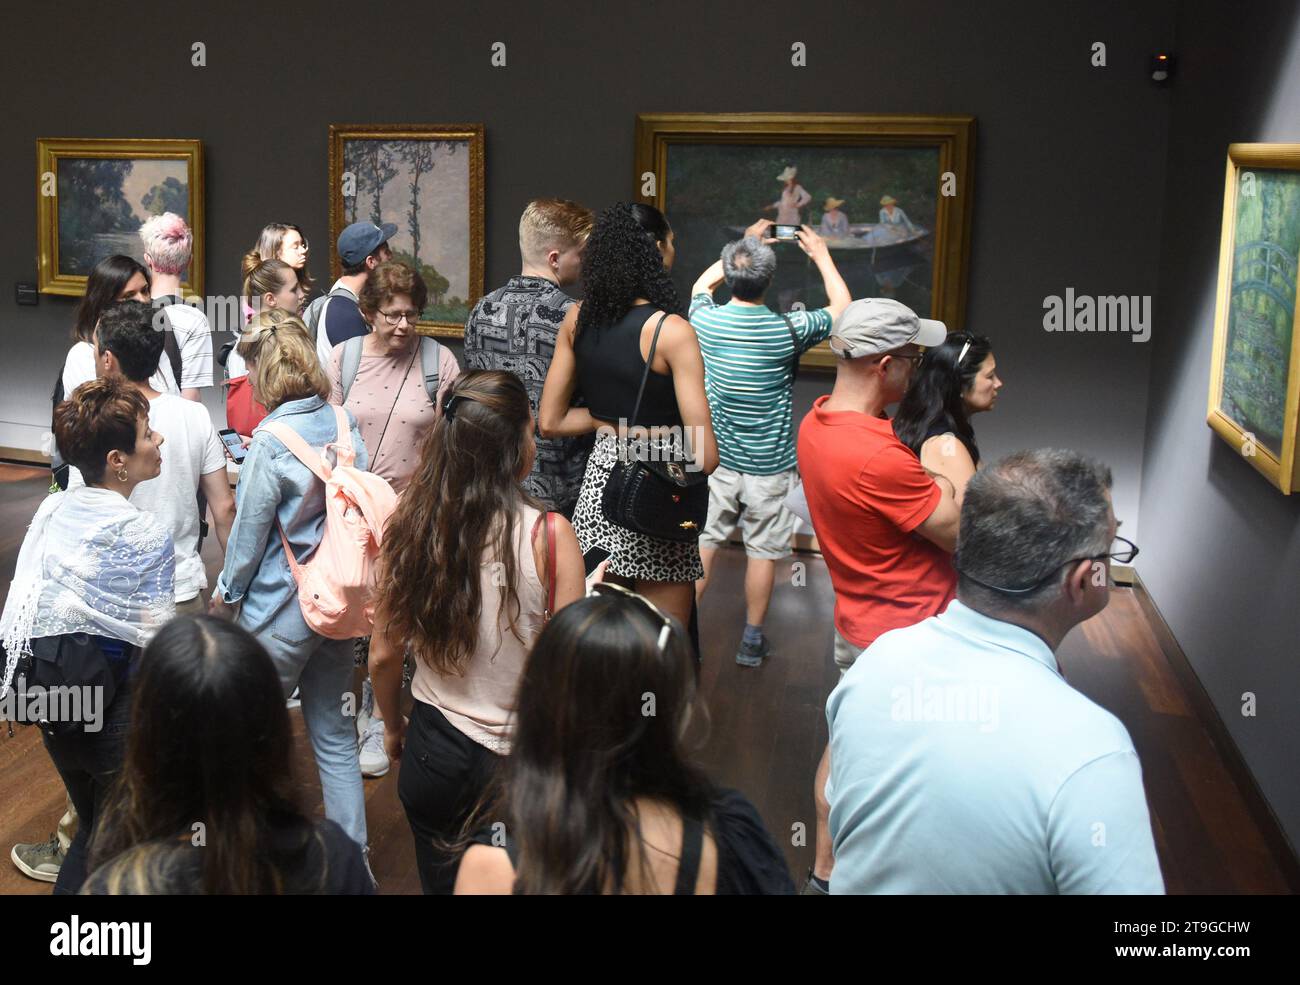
column 206, row 802
column 470, row 568
column 599, row 793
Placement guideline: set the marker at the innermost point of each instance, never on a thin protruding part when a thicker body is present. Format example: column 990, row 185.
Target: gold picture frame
column 85, row 211
column 1254, row 399
column 783, row 137
column 384, row 172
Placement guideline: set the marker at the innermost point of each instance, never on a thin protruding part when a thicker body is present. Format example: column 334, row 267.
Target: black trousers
column 89, row 763
column 443, row 775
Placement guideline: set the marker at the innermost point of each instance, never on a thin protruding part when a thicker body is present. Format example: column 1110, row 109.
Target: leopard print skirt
column 631, row 554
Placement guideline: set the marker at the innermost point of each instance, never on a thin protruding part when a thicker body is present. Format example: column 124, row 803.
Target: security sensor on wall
column 1162, row 67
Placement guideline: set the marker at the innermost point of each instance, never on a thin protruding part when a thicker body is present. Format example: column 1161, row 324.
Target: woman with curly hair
column 628, row 319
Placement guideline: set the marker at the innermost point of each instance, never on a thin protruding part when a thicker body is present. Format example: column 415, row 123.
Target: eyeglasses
column 1123, row 551
column 618, row 591
column 396, row 318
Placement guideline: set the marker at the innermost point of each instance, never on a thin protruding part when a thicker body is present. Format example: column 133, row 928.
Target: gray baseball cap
column 873, row 326
column 361, row 239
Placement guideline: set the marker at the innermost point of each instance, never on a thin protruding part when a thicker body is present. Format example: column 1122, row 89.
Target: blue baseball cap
column 361, row 239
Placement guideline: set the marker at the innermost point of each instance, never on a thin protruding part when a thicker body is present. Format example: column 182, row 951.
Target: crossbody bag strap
column 649, row 361
column 548, row 532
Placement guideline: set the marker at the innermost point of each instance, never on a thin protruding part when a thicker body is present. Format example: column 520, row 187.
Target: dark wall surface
column 1220, row 545
column 1069, row 158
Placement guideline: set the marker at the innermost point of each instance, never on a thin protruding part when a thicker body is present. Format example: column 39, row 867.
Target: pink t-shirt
column 374, row 394
column 480, row 703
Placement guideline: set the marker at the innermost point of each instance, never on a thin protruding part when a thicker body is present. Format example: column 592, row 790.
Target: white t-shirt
column 194, row 339
column 191, row 450
column 79, row 368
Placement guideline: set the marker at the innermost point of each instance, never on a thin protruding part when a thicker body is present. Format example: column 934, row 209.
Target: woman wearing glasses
column 599, row 794
column 470, row 568
column 393, row 380
column 385, row 387
column 952, row 381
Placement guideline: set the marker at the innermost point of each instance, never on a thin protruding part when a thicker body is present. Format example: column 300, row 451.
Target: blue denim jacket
column 274, row 485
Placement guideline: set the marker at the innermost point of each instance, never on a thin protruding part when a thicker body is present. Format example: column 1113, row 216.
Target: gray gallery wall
column 1220, row 546
column 1069, row 158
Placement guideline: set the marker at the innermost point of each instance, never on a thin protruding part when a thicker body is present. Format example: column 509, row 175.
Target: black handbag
column 657, row 498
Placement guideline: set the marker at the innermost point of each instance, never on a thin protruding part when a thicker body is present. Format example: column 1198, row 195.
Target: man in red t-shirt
column 886, row 527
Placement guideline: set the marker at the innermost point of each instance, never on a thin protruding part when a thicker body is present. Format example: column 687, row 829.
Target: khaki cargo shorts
column 757, row 504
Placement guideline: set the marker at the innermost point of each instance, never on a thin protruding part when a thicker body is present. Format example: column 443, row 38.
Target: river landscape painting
column 93, row 196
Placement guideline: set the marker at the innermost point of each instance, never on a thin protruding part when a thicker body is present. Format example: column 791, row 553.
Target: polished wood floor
column 767, row 729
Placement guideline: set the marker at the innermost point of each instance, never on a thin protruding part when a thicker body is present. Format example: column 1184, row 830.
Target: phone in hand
column 234, row 444
column 785, row 234
column 591, row 560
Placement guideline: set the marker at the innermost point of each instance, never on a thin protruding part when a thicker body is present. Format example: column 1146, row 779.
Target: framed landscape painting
column 891, row 194
column 1254, row 400
column 427, row 179
column 93, row 195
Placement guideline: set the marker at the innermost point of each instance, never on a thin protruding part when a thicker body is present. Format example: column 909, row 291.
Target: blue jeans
column 322, row 671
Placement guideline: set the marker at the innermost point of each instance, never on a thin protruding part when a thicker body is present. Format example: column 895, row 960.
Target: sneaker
column 365, row 857
column 374, row 761
column 367, row 710
column 750, row 655
column 295, row 699
column 39, row 861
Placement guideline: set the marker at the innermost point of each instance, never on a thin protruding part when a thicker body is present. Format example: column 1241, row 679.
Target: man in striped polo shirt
column 750, row 354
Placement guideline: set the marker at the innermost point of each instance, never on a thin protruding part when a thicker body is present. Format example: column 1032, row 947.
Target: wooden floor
column 767, row 729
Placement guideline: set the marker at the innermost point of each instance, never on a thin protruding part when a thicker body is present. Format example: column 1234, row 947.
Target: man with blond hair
column 514, row 327
column 168, row 244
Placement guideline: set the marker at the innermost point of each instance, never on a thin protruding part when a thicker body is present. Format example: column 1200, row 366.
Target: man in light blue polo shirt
column 961, row 759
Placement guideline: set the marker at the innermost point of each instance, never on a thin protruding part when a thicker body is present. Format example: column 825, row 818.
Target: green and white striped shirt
column 748, row 362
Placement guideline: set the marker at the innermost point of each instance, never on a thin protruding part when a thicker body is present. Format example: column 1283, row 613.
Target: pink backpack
column 336, row 584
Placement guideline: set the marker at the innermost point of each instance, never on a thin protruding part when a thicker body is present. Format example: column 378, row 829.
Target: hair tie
column 449, row 405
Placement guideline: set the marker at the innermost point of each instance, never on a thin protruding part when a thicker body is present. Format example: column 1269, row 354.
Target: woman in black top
column 953, row 381
column 601, row 351
column 206, row 801
column 598, row 795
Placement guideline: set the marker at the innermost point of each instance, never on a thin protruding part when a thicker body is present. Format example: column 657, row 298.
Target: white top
column 191, row 449
column 79, row 368
column 963, row 762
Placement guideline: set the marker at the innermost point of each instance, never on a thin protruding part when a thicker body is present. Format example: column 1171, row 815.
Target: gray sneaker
column 39, row 861
column 751, row 656
column 373, row 758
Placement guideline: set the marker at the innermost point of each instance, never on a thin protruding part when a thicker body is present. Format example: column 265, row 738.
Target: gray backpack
column 316, row 310
column 430, row 354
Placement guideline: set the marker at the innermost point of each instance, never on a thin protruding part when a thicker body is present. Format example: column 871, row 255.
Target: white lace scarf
column 90, row 563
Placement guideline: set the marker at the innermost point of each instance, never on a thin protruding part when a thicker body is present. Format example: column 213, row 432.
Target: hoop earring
column 122, row 475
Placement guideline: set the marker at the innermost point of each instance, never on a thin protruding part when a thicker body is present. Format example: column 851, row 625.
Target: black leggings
column 443, row 775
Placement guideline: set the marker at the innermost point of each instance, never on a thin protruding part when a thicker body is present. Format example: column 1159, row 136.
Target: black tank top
column 610, row 368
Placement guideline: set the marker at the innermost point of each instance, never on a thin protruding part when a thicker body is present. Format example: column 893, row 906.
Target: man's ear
column 552, row 258
column 1080, row 578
